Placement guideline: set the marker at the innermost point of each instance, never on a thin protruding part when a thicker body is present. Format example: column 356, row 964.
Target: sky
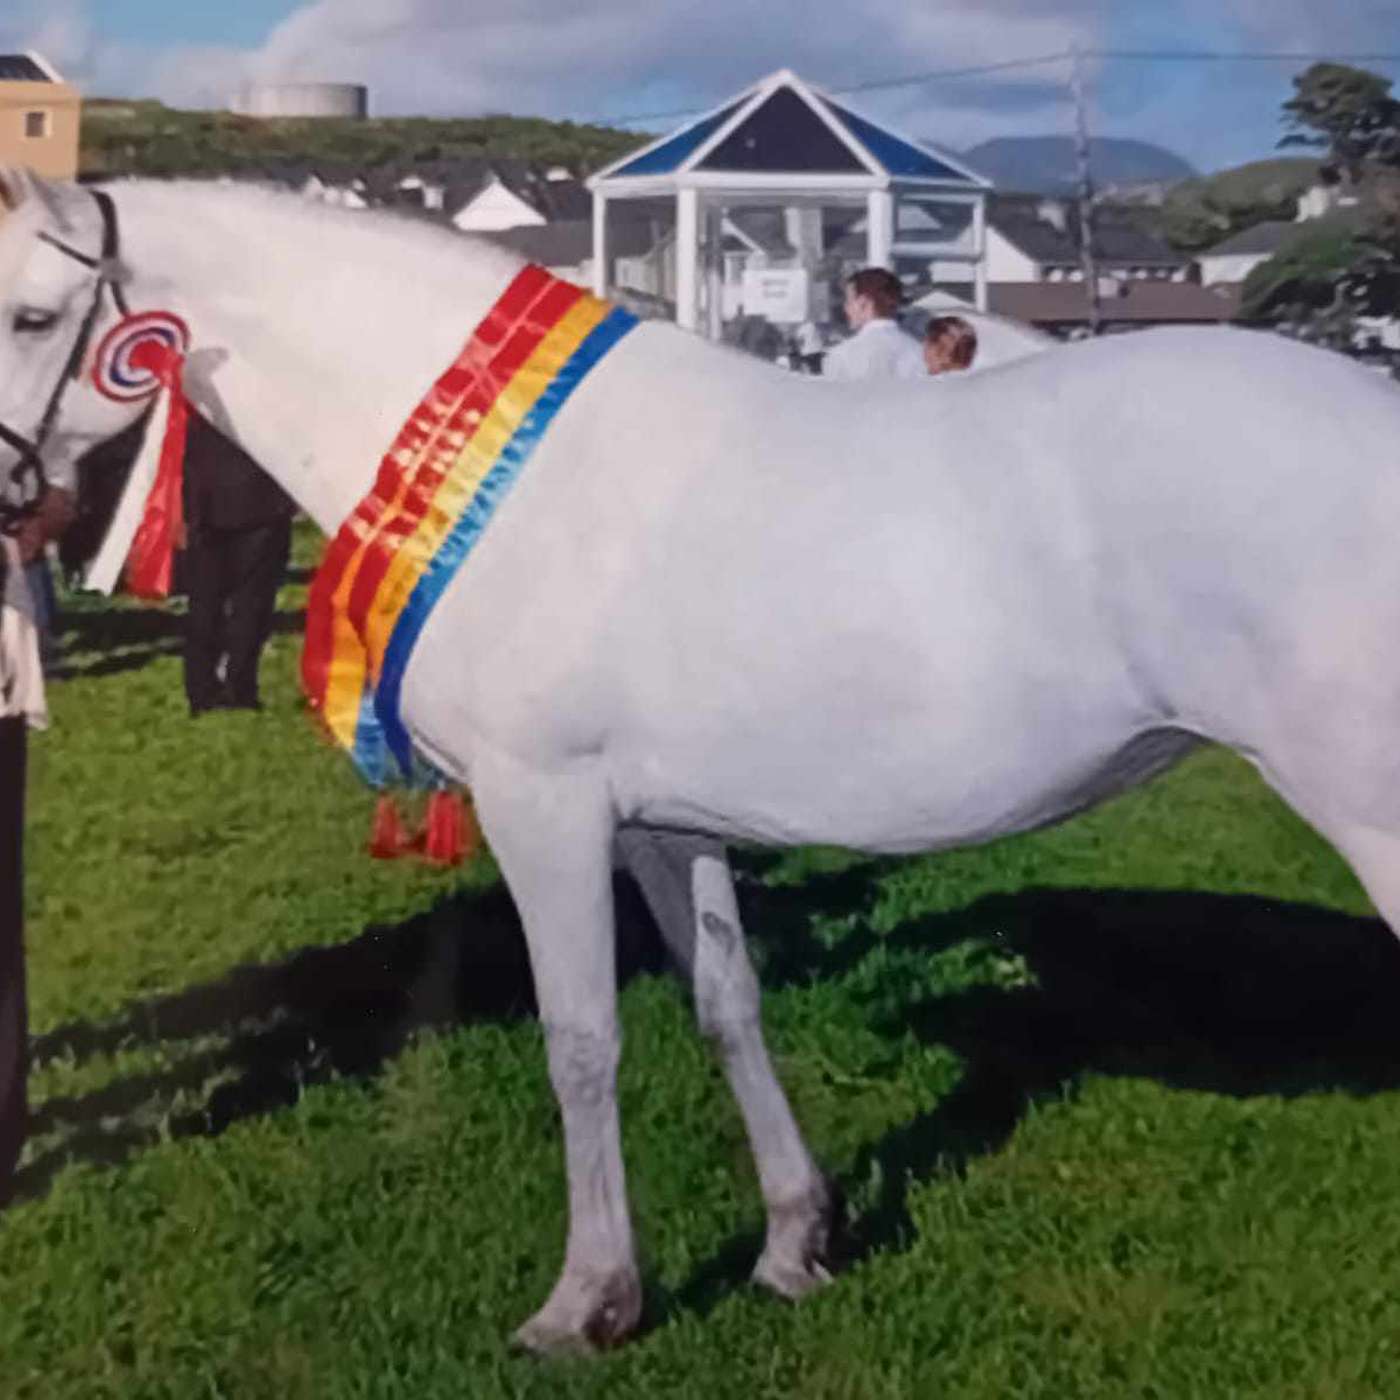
column 616, row 59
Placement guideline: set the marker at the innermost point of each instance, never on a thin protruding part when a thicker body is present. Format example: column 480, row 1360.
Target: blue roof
column 792, row 130
column 896, row 155
column 670, row 155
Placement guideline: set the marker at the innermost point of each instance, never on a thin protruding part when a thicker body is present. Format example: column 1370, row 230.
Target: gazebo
column 785, row 144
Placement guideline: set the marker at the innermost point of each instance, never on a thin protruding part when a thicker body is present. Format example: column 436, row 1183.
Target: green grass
column 1114, row 1104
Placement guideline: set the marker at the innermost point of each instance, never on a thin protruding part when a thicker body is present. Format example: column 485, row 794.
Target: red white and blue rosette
column 126, row 365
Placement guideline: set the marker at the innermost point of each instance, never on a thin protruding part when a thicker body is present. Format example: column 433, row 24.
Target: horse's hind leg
column 688, row 886
column 1375, row 857
column 552, row 835
column 1349, row 795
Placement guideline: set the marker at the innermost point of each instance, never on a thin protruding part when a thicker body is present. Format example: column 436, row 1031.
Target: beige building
column 39, row 117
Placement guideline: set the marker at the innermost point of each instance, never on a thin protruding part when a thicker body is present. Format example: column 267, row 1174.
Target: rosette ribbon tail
column 150, row 564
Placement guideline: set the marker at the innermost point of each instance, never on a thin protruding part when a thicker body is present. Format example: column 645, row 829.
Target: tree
column 1348, row 112
column 1321, row 286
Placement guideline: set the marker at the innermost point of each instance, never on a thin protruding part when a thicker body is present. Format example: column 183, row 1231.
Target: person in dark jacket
column 238, row 524
column 21, row 706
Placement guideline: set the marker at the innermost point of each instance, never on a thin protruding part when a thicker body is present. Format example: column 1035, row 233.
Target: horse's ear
column 16, row 185
column 19, row 184
column 51, row 197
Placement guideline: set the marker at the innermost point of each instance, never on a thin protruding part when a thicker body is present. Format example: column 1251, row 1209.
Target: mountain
column 1046, row 164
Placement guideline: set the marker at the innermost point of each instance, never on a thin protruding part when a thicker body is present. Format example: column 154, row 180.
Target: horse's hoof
column 800, row 1234
column 538, row 1337
column 583, row 1316
column 791, row 1279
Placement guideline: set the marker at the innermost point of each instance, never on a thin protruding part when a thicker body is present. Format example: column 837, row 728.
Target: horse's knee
column 582, row 1063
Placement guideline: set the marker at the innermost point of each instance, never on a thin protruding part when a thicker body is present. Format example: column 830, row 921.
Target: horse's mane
column 400, row 230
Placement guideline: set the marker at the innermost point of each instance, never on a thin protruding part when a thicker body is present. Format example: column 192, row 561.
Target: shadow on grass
column 326, row 1012
column 1232, row 994
column 109, row 641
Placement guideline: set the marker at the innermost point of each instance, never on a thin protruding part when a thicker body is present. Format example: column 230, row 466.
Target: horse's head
column 58, row 293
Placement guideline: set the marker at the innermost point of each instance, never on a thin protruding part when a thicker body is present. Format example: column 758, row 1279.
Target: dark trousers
column 232, row 577
column 14, row 1028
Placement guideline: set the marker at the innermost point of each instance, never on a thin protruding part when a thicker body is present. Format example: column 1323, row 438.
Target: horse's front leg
column 687, row 884
column 552, row 837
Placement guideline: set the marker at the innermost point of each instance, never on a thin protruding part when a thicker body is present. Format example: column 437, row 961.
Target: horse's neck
column 314, row 334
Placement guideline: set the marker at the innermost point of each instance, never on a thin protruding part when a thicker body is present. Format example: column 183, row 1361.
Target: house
column 1036, row 239
column 1062, row 308
column 40, row 116
column 1231, row 261
column 513, row 194
column 1035, row 270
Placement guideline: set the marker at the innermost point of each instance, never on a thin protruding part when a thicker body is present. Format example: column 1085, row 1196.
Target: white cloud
column 599, row 58
column 611, row 58
column 58, row 29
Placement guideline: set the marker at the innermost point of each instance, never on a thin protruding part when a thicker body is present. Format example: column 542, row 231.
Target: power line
column 1204, row 56
column 1039, row 60
column 941, row 73
column 871, row 85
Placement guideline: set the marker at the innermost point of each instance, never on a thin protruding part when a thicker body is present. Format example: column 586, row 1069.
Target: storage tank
column 305, row 100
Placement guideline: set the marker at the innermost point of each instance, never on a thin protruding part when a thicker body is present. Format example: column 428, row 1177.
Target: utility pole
column 1086, row 189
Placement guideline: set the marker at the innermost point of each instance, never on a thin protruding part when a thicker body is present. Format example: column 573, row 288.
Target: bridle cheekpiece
column 28, row 476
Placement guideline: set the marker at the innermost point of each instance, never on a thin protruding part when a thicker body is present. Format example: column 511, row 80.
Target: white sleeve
column 839, row 362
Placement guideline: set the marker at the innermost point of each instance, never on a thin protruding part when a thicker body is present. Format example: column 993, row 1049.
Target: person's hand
column 53, row 515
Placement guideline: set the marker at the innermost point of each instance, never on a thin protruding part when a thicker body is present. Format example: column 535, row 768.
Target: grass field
column 1115, row 1104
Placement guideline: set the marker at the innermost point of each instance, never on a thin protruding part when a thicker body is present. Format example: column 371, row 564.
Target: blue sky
column 611, row 58
column 243, row 23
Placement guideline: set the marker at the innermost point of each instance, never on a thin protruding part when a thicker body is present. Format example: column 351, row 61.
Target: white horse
column 726, row 603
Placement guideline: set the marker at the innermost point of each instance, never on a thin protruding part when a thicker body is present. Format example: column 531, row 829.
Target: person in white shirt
column 878, row 348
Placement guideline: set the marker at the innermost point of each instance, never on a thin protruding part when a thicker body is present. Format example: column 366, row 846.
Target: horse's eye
column 29, row 320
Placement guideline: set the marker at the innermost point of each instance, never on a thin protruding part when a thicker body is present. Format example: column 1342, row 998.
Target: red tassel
column 387, row 840
column 451, row 836
column 150, row 561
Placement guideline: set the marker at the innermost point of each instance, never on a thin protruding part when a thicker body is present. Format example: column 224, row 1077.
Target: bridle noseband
column 28, row 474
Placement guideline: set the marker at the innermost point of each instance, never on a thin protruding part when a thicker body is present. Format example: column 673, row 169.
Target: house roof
column 1118, row 238
column 1266, row 238
column 461, row 180
column 782, row 126
column 1037, row 238
column 569, row 242
column 1141, row 303
column 25, row 68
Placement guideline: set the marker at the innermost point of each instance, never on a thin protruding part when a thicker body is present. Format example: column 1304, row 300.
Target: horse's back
column 781, row 599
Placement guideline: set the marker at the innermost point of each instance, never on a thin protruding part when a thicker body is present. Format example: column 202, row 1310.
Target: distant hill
column 148, row 138
column 1204, row 211
column 1046, row 164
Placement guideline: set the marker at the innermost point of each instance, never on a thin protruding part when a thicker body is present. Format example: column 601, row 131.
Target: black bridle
column 28, row 476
